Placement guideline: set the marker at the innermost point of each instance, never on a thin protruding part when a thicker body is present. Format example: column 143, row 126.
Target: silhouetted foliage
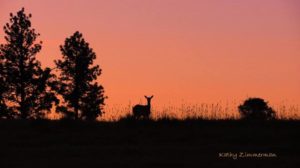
column 4, row 112
column 256, row 109
column 27, row 85
column 83, row 96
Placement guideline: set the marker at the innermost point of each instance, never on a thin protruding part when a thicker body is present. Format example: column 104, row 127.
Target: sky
column 191, row 51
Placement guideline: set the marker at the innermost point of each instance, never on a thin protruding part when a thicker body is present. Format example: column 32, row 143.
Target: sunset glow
column 195, row 51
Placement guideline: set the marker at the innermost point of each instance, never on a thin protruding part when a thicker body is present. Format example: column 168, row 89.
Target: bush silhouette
column 256, row 109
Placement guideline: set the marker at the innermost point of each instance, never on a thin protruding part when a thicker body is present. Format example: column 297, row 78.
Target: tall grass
column 203, row 111
column 287, row 111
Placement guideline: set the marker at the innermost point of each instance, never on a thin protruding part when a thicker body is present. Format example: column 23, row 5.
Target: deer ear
column 146, row 97
column 151, row 97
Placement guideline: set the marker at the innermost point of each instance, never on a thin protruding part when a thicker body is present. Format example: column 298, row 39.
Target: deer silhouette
column 142, row 111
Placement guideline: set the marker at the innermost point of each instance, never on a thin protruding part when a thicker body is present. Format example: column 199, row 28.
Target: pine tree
column 4, row 112
column 92, row 102
column 83, row 96
column 29, row 94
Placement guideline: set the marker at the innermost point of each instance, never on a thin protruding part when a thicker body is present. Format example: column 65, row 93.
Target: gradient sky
column 192, row 50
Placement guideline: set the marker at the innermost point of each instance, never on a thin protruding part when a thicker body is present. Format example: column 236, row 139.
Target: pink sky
column 192, row 50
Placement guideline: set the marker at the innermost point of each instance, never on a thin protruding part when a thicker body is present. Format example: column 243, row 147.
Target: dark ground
column 165, row 143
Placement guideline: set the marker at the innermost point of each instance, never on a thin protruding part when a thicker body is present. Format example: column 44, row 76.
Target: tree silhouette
column 256, row 109
column 83, row 97
column 28, row 93
column 92, row 102
column 4, row 112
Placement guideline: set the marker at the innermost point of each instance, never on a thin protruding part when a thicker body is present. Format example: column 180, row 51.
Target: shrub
column 256, row 109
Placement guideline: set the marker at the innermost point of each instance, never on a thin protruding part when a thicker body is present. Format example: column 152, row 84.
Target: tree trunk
column 76, row 112
column 23, row 111
column 76, row 103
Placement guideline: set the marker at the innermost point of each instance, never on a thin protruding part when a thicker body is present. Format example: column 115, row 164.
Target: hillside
column 163, row 143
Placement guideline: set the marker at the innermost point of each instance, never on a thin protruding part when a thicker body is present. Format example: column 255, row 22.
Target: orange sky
column 192, row 50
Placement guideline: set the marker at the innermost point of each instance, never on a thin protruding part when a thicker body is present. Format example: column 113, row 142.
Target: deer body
column 142, row 111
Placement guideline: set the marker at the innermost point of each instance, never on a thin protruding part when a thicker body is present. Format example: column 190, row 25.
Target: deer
column 142, row 111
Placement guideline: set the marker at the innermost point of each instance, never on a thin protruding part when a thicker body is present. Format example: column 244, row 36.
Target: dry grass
column 203, row 111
